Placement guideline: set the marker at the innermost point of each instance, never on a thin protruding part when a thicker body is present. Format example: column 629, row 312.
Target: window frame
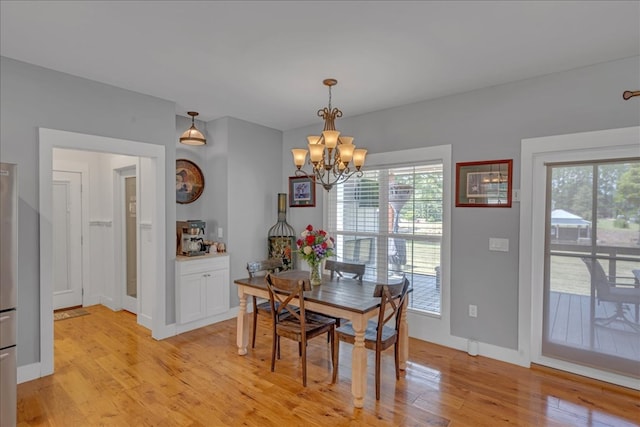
column 413, row 157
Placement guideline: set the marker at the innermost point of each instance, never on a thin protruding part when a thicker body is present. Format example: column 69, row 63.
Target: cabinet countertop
column 182, row 258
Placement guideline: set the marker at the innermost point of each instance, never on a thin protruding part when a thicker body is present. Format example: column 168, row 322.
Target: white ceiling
column 264, row 61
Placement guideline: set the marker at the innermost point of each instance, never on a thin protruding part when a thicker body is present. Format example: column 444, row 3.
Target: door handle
column 4, row 356
column 3, row 318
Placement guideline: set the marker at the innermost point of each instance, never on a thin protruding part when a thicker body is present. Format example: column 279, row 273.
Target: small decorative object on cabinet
column 282, row 236
column 202, row 290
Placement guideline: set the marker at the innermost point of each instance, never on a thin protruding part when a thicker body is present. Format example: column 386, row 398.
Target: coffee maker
column 190, row 237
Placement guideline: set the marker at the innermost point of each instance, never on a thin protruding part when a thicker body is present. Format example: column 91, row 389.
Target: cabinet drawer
column 200, row 265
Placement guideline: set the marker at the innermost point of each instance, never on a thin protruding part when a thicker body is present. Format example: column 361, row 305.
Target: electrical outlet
column 473, row 310
column 220, row 233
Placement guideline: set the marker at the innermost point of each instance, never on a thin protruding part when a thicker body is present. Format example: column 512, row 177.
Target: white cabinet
column 202, row 290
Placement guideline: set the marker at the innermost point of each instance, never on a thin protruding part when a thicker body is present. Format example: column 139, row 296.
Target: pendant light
column 193, row 136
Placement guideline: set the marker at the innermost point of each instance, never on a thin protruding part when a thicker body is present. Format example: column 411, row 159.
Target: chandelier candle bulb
column 299, row 156
column 316, row 152
column 331, row 138
column 346, row 153
column 313, row 139
column 358, row 157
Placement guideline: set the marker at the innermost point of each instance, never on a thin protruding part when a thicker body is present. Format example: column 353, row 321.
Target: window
column 391, row 220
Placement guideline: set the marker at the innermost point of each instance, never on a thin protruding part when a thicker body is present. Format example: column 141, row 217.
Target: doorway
column 540, row 230
column 155, row 165
column 590, row 306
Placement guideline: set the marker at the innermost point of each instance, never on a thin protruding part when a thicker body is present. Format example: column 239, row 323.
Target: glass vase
column 315, row 275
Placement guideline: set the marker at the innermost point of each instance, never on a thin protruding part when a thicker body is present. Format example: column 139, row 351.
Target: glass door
column 592, row 265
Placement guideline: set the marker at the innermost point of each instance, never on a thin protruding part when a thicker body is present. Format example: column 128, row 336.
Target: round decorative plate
column 189, row 181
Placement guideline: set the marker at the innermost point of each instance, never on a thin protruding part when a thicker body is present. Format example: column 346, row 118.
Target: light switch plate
column 515, row 195
column 500, row 245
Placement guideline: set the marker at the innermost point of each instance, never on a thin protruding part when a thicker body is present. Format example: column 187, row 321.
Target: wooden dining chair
column 339, row 268
column 378, row 336
column 262, row 268
column 297, row 325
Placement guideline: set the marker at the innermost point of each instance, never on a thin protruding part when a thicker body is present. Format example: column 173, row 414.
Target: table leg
column 403, row 349
column 242, row 334
column 359, row 364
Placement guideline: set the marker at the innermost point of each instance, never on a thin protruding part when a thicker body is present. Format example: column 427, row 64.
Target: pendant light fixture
column 193, row 136
column 330, row 154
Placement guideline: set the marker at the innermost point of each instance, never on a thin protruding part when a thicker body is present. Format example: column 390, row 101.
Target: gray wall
column 35, row 97
column 253, row 184
column 488, row 124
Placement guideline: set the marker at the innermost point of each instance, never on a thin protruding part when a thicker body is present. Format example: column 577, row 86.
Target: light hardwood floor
column 109, row 371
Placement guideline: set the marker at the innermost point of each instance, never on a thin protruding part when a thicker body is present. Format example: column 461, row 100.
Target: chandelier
column 330, row 154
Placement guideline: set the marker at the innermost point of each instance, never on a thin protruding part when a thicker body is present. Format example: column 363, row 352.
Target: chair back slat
column 282, row 292
column 273, row 265
column 392, row 299
column 340, row 268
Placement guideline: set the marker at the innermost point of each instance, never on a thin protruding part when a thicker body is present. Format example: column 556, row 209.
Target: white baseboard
column 88, row 300
column 29, row 372
column 108, row 302
column 229, row 314
column 437, row 335
column 145, row 320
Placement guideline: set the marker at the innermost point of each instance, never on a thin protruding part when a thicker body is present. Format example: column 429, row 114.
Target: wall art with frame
column 484, row 184
column 302, row 191
column 189, row 181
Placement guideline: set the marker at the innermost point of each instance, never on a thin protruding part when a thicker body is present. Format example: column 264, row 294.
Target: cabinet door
column 217, row 292
column 193, row 297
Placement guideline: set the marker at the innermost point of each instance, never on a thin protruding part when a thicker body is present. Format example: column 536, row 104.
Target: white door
column 67, row 239
column 128, row 203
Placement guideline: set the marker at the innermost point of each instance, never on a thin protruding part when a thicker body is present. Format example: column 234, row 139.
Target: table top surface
column 342, row 293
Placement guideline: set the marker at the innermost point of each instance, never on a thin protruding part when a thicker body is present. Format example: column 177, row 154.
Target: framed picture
column 302, row 191
column 189, row 181
column 484, row 184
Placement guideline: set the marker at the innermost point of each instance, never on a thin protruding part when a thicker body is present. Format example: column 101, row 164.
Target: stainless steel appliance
column 190, row 236
column 8, row 292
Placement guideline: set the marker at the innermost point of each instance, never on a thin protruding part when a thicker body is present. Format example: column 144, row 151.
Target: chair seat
column 266, row 308
column 369, row 335
column 314, row 325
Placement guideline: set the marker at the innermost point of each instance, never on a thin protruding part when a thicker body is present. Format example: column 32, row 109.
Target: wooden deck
column 571, row 325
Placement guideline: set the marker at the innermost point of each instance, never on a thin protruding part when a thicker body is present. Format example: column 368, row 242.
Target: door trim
column 612, row 143
column 50, row 139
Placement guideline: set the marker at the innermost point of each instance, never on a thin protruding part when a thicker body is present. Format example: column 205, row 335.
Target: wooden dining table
column 343, row 298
